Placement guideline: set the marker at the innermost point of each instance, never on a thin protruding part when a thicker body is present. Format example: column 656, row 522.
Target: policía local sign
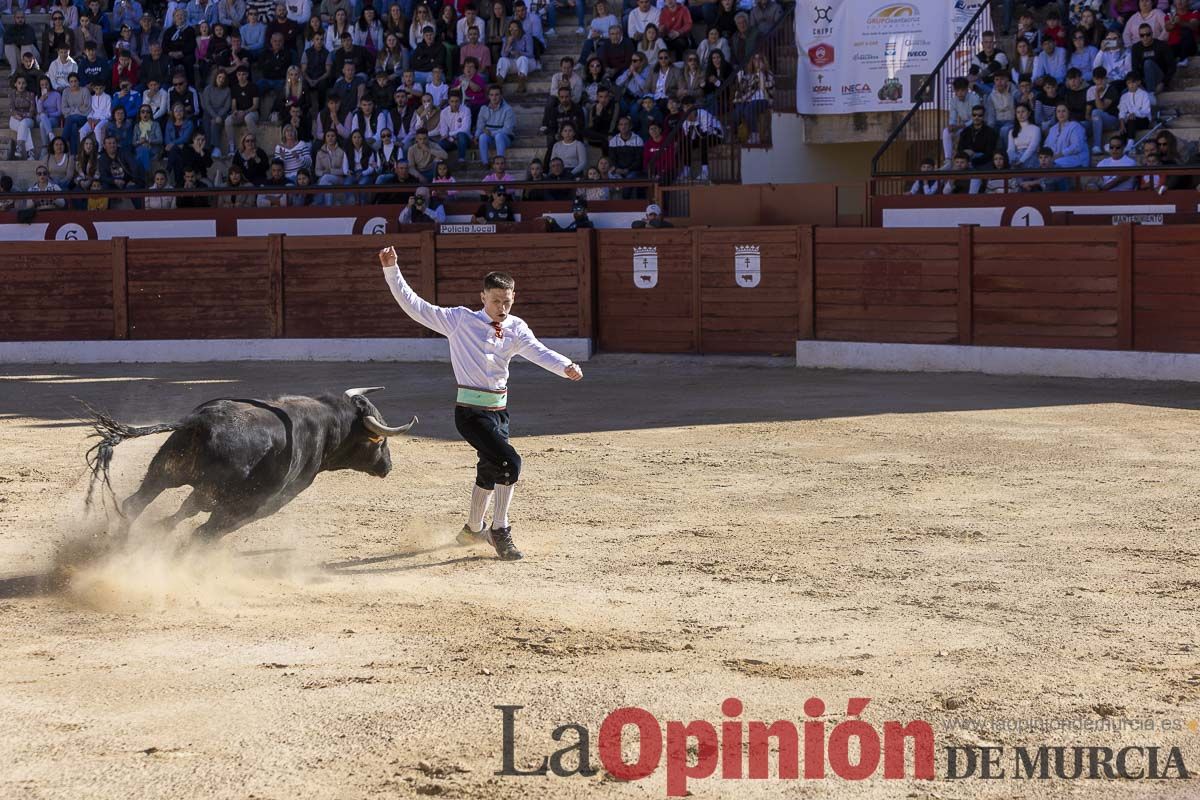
column 869, row 55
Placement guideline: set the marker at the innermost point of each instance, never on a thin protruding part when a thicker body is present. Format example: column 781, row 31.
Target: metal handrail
column 923, row 94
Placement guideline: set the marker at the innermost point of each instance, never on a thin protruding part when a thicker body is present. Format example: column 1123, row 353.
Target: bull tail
column 111, row 433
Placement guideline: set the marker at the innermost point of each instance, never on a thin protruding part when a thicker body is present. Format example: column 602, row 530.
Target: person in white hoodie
column 99, row 115
column 1113, row 57
column 61, row 68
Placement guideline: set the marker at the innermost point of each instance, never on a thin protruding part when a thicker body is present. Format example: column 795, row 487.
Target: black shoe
column 467, row 537
column 501, row 539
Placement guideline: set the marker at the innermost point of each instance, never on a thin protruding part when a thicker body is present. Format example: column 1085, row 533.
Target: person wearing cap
column 497, row 208
column 654, row 218
column 482, row 343
column 579, row 218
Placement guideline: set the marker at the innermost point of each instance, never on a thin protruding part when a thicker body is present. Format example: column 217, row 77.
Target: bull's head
column 366, row 448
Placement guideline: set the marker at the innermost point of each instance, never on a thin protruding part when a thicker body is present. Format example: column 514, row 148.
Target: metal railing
column 919, row 133
column 1156, row 178
column 778, row 49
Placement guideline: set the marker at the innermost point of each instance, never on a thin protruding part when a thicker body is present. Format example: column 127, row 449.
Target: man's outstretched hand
column 387, row 257
column 574, row 372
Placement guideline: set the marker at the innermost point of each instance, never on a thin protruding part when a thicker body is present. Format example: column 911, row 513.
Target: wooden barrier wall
column 698, row 290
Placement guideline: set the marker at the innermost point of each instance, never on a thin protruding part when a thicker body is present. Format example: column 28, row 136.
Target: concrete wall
column 792, row 160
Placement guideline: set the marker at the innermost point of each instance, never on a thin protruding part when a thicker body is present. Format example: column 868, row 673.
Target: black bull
column 246, row 459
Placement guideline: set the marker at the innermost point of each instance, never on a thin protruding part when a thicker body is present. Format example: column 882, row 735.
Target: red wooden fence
column 707, row 290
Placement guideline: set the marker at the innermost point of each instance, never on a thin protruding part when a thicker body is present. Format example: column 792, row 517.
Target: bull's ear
column 361, row 403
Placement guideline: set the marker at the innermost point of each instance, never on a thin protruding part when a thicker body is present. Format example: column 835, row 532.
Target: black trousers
column 487, row 432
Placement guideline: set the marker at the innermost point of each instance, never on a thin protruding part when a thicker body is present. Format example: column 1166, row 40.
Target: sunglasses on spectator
column 177, row 85
column 1147, row 35
column 1116, row 147
column 41, row 173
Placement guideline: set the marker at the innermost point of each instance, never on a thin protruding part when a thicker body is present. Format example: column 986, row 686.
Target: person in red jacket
column 658, row 155
column 125, row 69
column 675, row 27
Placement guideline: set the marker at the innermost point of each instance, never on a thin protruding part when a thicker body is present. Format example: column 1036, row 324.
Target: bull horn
column 352, row 393
column 379, row 429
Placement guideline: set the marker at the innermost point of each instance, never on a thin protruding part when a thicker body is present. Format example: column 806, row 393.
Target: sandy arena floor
column 996, row 549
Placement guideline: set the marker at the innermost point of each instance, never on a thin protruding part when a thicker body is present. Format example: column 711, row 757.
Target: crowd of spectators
column 1089, row 75
column 121, row 94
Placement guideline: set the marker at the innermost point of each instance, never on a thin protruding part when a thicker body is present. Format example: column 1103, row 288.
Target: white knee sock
column 503, row 498
column 479, row 504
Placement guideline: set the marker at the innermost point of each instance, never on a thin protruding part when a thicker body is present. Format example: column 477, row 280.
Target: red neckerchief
column 499, row 330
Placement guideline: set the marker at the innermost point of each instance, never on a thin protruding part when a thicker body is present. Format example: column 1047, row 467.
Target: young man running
column 481, row 345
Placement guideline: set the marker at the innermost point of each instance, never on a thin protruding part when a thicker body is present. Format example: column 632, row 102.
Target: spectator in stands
column 331, row 167
column 1023, row 61
column 389, row 152
column 650, row 45
column 424, row 155
column 1001, row 184
column 1134, row 107
column 1181, row 33
column 534, row 173
column 675, row 27
column 494, row 125
column 1047, row 101
column 593, row 192
column 147, row 140
column 428, row 114
column 42, row 183
column 197, row 156
column 121, row 126
column 277, row 181
column 428, row 53
column 744, row 41
column 766, row 14
column 243, row 97
column 1103, row 100
column 1067, row 141
column 98, row 115
column 252, row 160
column 568, row 77
column 193, row 180
column 361, row 164
column 753, row 95
column 631, row 84
column 1083, row 55
column 1152, row 59
column 179, row 43
column 1074, row 94
column 231, row 12
column 1154, row 181
column 1024, row 139
column 654, row 218
column 1117, row 157
column 664, row 79
column 644, row 113
column 474, row 48
column 60, row 163
column 159, row 101
column 159, row 202
column 215, row 102
column 701, row 130
column 616, row 52
column 717, row 75
column 557, row 113
column 1051, row 61
column 1046, row 183
column 472, row 87
column 497, row 208
column 601, row 120
column 1149, row 16
column 61, row 67
column 48, row 108
column 405, row 180
column 115, row 170
column 658, row 154
column 978, row 140
column 570, row 150
column 176, row 136
column 558, row 172
column 987, row 55
column 626, row 150
column 19, row 39
column 87, row 165
column 76, row 104
column 517, row 54
column 1000, row 107
column 454, row 127
column 1053, row 29
column 1027, row 30
column 294, row 153
column 960, row 105
column 127, row 98
column 27, row 69
column 183, row 94
column 960, row 163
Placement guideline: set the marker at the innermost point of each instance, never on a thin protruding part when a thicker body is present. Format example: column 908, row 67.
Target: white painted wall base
column 195, row 350
column 1133, row 365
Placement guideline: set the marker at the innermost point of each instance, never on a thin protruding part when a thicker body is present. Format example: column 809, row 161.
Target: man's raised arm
column 433, row 317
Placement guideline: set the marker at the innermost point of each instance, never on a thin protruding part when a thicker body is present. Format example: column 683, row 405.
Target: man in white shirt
column 100, row 114
column 1117, row 158
column 645, row 13
column 481, row 345
column 567, row 77
column 299, row 11
column 454, row 127
column 470, row 20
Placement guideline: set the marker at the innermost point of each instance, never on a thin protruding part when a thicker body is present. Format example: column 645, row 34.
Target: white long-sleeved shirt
column 58, row 71
column 1135, row 104
column 479, row 358
column 452, row 123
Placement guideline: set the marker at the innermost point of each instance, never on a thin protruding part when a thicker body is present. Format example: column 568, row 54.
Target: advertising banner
column 870, row 55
